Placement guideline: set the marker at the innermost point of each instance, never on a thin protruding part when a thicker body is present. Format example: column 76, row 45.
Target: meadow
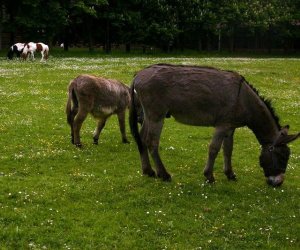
column 56, row 196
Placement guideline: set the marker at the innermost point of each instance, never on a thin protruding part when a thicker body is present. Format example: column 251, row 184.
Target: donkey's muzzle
column 275, row 181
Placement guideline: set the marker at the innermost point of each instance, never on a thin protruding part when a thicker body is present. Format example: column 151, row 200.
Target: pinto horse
column 17, row 49
column 205, row 96
column 31, row 48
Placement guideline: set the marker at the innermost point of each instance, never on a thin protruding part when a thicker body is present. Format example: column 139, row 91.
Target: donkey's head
column 274, row 158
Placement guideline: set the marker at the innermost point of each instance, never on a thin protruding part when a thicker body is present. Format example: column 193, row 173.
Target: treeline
column 164, row 24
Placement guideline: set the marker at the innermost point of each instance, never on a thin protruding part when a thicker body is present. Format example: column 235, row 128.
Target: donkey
column 17, row 49
column 31, row 48
column 100, row 97
column 206, row 96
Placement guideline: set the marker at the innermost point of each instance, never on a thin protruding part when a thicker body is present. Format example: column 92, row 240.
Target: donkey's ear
column 290, row 138
column 284, row 138
column 282, row 134
column 284, row 130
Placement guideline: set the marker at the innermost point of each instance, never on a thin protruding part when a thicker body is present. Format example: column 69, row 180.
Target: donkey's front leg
column 227, row 152
column 214, row 149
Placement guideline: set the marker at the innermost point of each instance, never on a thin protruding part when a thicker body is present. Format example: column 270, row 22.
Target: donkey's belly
column 103, row 111
column 195, row 119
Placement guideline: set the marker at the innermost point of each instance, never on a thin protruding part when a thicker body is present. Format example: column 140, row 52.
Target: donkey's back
column 192, row 95
column 100, row 96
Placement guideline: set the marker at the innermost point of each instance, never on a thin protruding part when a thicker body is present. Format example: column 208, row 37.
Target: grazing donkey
column 99, row 96
column 31, row 48
column 17, row 49
column 205, row 96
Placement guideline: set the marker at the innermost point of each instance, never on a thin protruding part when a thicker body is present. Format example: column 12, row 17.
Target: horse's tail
column 71, row 112
column 133, row 121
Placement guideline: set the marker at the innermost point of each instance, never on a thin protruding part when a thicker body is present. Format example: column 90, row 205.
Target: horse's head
column 274, row 158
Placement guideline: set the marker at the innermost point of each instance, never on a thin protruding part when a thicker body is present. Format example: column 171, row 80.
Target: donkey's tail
column 71, row 98
column 133, row 121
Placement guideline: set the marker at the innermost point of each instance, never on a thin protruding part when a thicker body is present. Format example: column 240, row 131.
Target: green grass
column 55, row 196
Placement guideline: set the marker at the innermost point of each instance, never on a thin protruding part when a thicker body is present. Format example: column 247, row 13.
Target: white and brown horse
column 31, row 48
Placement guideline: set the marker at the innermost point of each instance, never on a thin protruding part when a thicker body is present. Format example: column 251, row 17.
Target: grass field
column 55, row 196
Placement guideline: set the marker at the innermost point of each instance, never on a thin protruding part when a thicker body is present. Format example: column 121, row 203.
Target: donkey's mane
column 267, row 102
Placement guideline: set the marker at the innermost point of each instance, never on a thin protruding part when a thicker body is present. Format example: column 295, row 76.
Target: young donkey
column 204, row 96
column 99, row 96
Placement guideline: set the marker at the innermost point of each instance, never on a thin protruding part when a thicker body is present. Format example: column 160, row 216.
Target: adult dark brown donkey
column 99, row 96
column 204, row 96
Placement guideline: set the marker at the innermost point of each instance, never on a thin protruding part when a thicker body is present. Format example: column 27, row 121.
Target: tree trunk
column 107, row 38
column 208, row 47
column 219, row 40
column 128, row 47
column 1, row 20
column 66, row 39
column 256, row 37
column 91, row 40
column 89, row 28
column 200, row 43
column 231, row 41
column 269, row 40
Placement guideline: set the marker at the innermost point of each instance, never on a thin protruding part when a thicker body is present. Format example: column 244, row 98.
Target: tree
column 201, row 24
column 80, row 14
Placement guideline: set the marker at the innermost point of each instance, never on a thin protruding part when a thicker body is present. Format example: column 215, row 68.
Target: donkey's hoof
column 210, row 179
column 231, row 176
column 165, row 176
column 95, row 142
column 125, row 141
column 150, row 172
column 78, row 145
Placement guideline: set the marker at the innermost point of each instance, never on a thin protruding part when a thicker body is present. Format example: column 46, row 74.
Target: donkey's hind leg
column 214, row 149
column 146, row 166
column 153, row 136
column 121, row 119
column 100, row 126
column 79, row 119
column 227, row 152
column 71, row 117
